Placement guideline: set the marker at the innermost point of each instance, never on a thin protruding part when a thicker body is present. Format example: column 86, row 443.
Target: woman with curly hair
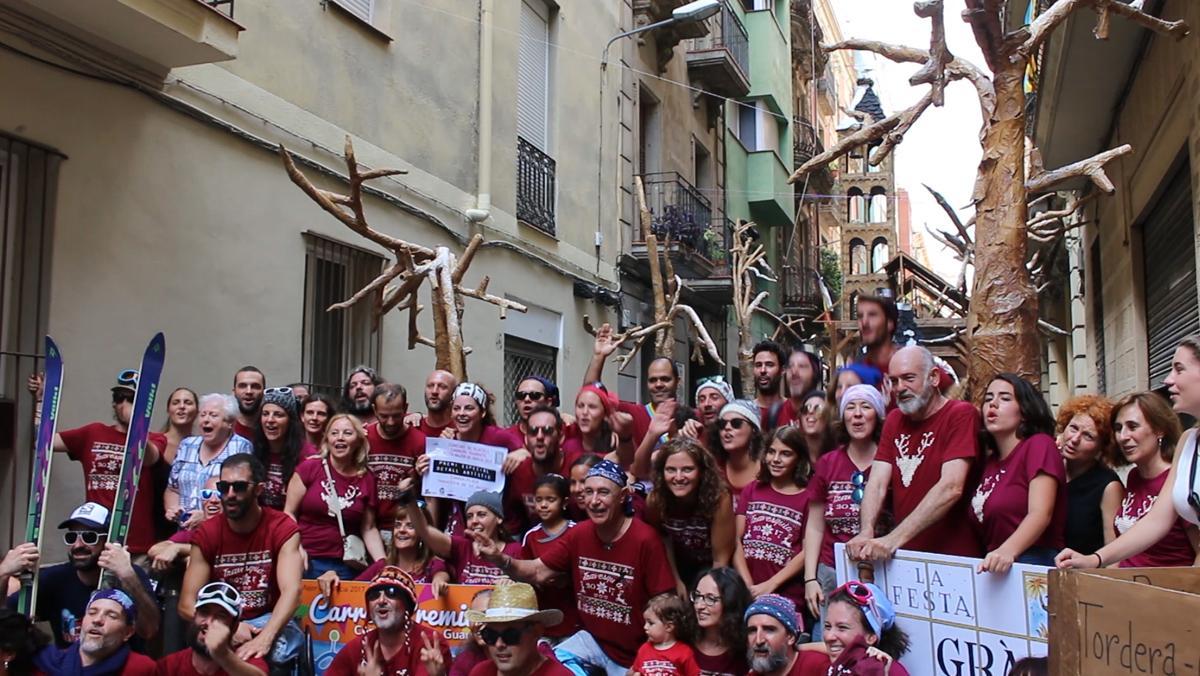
column 20, row 640
column 1085, row 440
column 720, row 599
column 692, row 508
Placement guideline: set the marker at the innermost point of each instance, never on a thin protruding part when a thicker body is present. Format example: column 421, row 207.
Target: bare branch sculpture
column 747, row 255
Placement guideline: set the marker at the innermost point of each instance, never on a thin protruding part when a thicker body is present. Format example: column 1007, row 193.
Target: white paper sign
column 457, row 469
column 959, row 622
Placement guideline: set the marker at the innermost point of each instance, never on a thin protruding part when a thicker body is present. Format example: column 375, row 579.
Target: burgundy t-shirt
column 1173, row 550
column 493, row 435
column 274, row 493
column 641, row 419
column 831, row 484
column 691, row 540
column 917, row 451
column 407, row 661
column 424, row 576
column 613, row 582
column 519, row 508
column 244, row 431
column 100, row 448
column 467, row 568
column 558, row 593
column 318, row 526
column 774, row 534
column 732, row 662
column 810, row 663
column 246, row 561
column 788, row 415
column 854, row 661
column 392, row 460
column 549, row 667
column 430, row 431
column 678, row 660
column 1001, row 500
column 180, row 664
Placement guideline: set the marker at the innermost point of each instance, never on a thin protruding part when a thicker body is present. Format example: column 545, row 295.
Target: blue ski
column 40, row 480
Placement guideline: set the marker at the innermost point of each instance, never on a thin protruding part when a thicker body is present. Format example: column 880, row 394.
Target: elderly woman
column 333, row 496
column 199, row 459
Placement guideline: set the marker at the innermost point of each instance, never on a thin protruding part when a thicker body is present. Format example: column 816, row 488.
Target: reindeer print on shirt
column 907, row 461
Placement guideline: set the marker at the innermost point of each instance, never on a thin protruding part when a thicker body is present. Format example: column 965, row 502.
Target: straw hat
column 514, row 602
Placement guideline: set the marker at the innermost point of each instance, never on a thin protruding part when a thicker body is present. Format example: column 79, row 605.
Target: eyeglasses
column 709, row 600
column 391, row 591
column 121, row 397
column 530, row 395
column 511, row 636
column 735, row 423
column 859, row 481
column 128, row 378
column 237, row 486
column 279, row 390
column 542, row 430
column 209, row 494
column 89, row 537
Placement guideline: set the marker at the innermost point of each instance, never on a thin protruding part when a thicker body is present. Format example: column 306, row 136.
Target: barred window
column 524, row 358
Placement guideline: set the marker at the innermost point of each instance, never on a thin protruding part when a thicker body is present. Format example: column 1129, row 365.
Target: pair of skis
column 131, row 467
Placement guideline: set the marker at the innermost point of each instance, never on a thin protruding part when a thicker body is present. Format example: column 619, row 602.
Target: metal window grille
column 28, row 180
column 524, row 358
column 336, row 341
column 535, row 187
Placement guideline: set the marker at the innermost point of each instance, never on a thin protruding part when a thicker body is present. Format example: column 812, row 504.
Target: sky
column 942, row 149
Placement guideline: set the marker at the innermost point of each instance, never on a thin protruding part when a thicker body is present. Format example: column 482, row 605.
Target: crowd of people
column 655, row 538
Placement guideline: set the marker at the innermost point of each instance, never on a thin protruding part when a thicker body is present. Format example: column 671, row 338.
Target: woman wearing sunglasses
column 336, row 481
column 720, row 600
column 836, row 492
column 816, row 422
column 691, row 506
column 860, row 617
column 278, row 443
column 770, row 520
column 740, row 440
column 1019, row 506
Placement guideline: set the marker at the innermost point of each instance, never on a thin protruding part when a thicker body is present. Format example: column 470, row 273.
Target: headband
column 608, row 400
column 473, row 391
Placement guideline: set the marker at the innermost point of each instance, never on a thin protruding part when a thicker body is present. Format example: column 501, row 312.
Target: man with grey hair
column 199, row 459
column 103, row 645
column 926, row 451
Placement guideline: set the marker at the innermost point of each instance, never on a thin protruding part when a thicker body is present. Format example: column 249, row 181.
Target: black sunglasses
column 735, row 423
column 545, row 430
column 237, row 486
column 532, row 396
column 89, row 537
column 511, row 636
column 391, row 591
column 121, row 397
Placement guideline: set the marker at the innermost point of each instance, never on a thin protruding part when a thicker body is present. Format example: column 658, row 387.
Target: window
column 858, row 257
column 854, row 161
column 879, row 254
column 702, row 168
column 747, row 125
column 757, row 126
column 333, row 342
column 362, row 9
column 856, row 206
column 1169, row 268
column 533, row 74
column 873, row 168
column 524, row 358
column 649, row 132
column 877, row 210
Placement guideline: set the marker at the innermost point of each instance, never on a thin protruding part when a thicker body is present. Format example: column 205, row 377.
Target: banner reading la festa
column 961, row 623
column 335, row 621
column 457, row 469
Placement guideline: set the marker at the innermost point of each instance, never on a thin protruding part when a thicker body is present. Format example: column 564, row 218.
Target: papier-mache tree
column 1003, row 322
column 397, row 286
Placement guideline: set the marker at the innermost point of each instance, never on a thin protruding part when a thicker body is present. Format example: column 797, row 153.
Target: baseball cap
column 89, row 514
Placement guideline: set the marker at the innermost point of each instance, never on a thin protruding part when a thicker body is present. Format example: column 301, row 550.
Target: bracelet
column 1100, row 559
column 812, row 579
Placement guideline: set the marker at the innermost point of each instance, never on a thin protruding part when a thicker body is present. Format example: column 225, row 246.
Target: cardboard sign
column 1125, row 621
column 458, row 469
column 959, row 622
column 335, row 621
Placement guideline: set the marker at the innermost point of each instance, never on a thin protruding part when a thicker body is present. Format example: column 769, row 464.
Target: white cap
column 90, row 514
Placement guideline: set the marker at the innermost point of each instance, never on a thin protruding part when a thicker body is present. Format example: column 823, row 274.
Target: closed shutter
column 363, row 9
column 1169, row 248
column 533, row 71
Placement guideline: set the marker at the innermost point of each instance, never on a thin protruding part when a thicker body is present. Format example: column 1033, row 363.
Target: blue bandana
column 550, row 387
column 607, row 469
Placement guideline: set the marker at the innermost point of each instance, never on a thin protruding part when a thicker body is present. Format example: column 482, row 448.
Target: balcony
column 535, row 187
column 147, row 37
column 801, row 291
column 720, row 61
column 805, row 141
column 683, row 224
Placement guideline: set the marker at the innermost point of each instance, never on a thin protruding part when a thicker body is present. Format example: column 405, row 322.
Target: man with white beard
column 103, row 645
column 926, row 450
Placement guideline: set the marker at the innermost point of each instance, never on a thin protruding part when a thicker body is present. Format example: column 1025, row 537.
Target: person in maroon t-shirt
column 279, row 442
column 773, row 632
column 315, row 412
column 511, row 627
column 211, row 639
column 769, row 360
column 358, row 393
column 802, row 375
column 439, row 393
column 616, row 565
column 532, row 393
column 249, row 383
column 256, row 550
column 926, row 451
column 542, row 431
column 662, row 382
column 394, row 449
column 100, row 448
column 1020, row 502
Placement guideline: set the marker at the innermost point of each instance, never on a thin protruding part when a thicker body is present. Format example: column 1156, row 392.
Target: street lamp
column 697, row 10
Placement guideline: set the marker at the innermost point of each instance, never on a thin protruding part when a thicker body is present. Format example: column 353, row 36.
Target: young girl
column 551, row 495
column 576, row 509
column 860, row 617
column 669, row 627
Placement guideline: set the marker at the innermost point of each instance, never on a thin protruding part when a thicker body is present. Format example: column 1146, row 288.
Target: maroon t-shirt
column 917, row 451
column 809, row 663
column 690, row 537
column 1001, row 500
column 468, row 568
column 424, row 576
column 774, row 534
column 244, row 431
column 519, row 508
column 392, row 460
column 274, row 493
column 549, row 667
column 318, row 526
column 732, row 662
column 406, row 661
column 613, row 582
column 493, row 435
column 180, row 664
column 832, row 484
column 788, row 415
column 246, row 561
column 1175, row 549
column 678, row 660
column 854, row 661
column 430, row 431
column 641, row 420
column 556, row 594
column 100, row 449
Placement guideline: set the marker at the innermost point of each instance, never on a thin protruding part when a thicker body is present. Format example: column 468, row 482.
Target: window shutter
column 1168, row 246
column 363, row 9
column 533, row 70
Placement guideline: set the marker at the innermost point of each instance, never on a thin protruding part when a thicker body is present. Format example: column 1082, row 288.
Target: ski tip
column 159, row 342
column 51, row 346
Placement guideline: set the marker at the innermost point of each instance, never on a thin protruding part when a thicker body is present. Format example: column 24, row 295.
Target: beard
column 770, row 388
column 360, row 407
column 436, row 405
column 90, row 563
column 251, row 409
column 913, row 404
column 765, row 665
column 194, row 642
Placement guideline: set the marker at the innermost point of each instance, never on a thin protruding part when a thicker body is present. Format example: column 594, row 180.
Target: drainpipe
column 483, row 201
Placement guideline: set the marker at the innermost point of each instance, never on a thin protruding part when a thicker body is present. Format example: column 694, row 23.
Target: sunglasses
column 511, row 636
column 859, row 592
column 814, row 408
column 209, row 494
column 391, row 591
column 859, row 481
column 237, row 486
column 709, row 600
column 122, row 397
column 531, row 396
column 279, row 390
column 542, row 430
column 735, row 423
column 89, row 537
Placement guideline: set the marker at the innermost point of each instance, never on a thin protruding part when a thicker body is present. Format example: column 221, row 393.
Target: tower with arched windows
column 868, row 217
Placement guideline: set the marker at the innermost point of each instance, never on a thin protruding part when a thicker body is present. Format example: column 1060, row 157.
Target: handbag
column 354, row 550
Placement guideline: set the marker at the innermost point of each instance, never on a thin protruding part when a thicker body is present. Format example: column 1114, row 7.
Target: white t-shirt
column 1183, row 483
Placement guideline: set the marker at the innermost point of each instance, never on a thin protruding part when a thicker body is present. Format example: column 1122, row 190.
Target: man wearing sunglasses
column 210, row 638
column 511, row 628
column 531, row 393
column 542, row 430
column 394, row 449
column 395, row 645
column 64, row 588
column 803, row 375
column 100, row 449
column 256, row 551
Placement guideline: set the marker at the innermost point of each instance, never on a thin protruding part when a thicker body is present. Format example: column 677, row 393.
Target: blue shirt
column 189, row 474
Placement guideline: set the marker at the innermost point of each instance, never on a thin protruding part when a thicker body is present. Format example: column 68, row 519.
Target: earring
column 1160, row 440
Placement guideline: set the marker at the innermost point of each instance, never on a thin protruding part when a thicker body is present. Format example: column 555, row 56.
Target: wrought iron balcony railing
column 680, row 213
column 726, row 32
column 801, row 290
column 805, row 141
column 535, row 187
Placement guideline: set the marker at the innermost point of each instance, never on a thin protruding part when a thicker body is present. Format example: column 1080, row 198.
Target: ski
column 135, row 443
column 40, row 474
